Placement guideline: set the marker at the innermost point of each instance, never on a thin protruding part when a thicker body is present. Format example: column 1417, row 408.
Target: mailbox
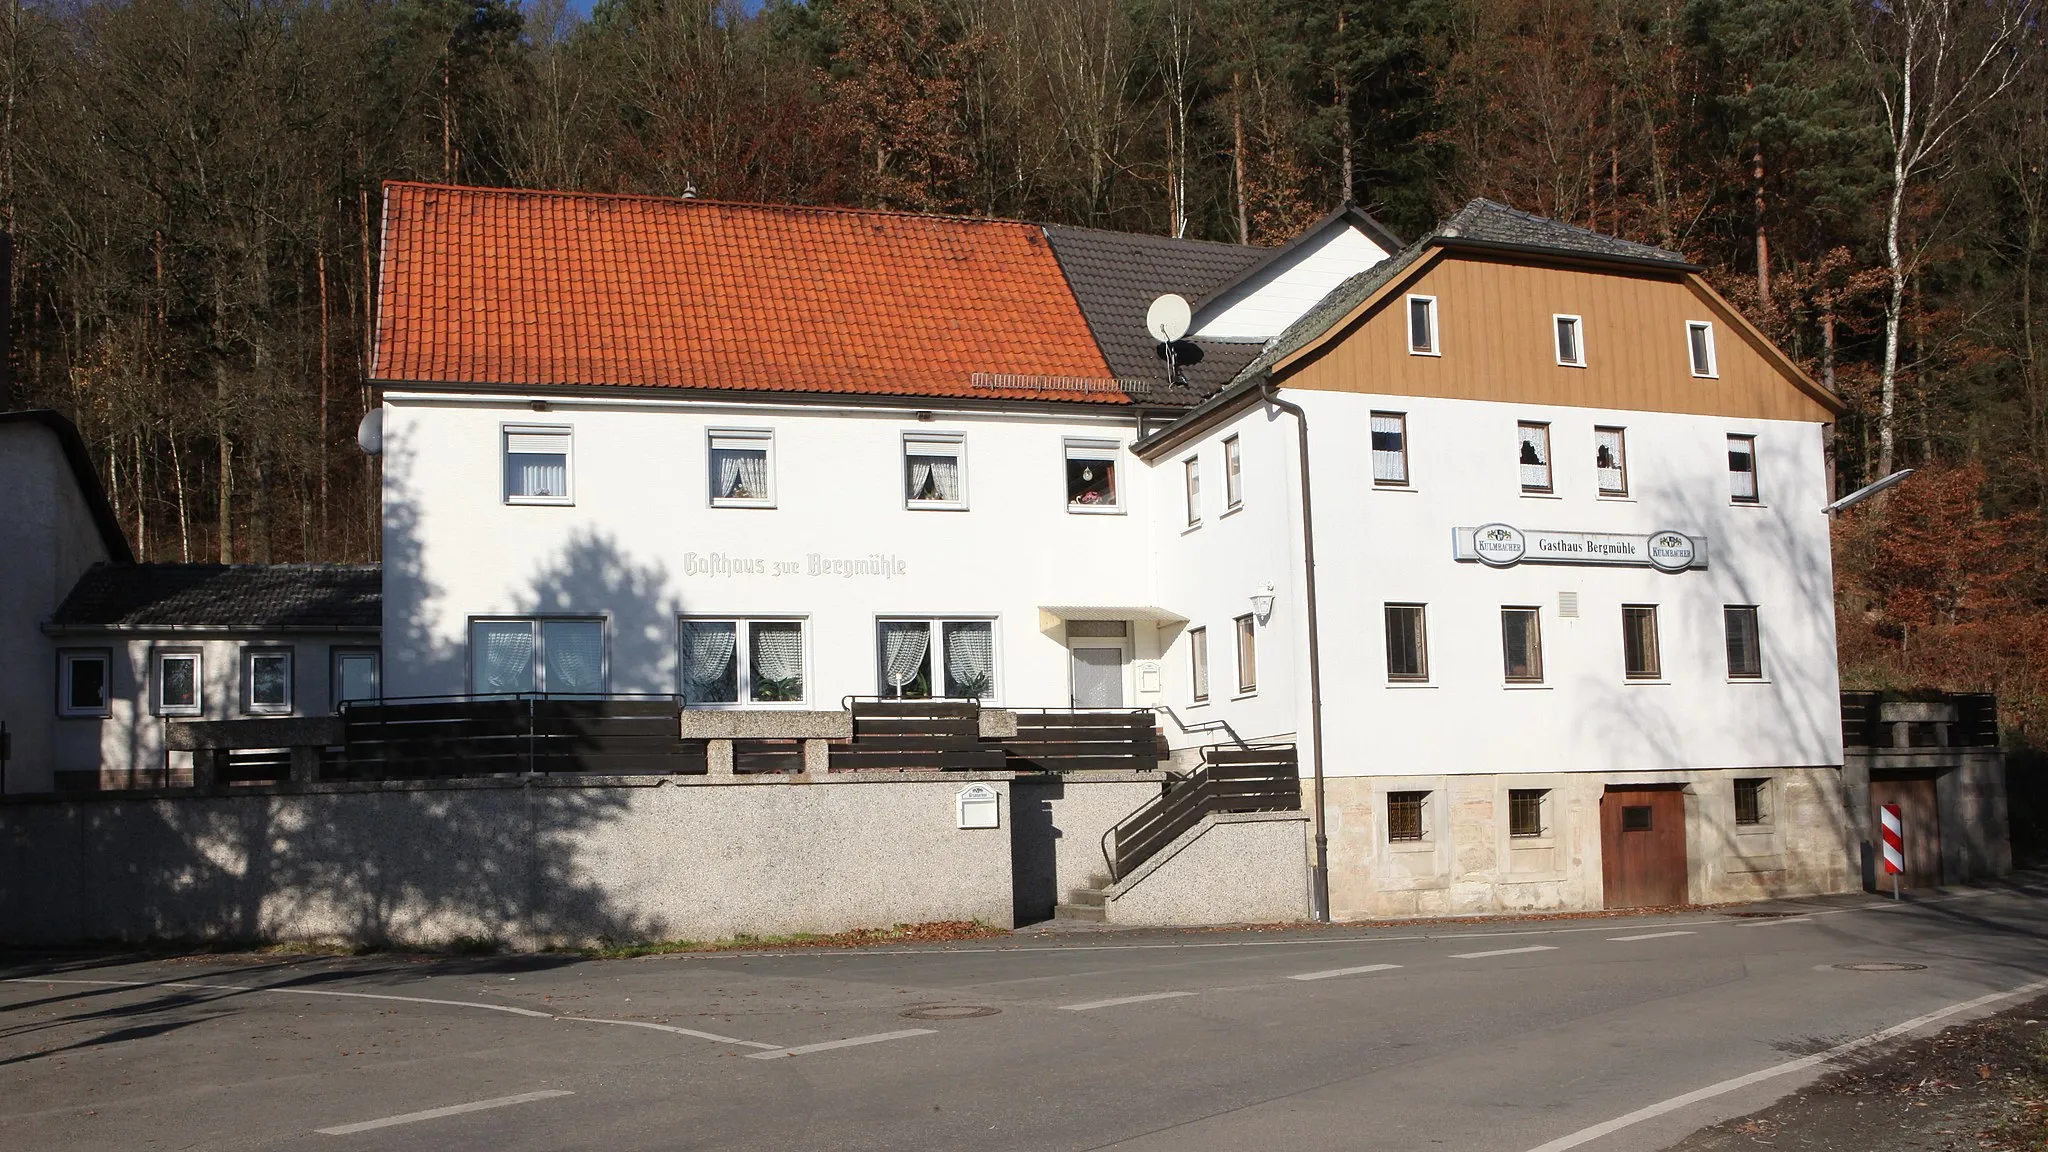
column 978, row 806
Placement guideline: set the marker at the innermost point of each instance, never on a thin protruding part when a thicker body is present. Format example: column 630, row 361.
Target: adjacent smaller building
column 138, row 644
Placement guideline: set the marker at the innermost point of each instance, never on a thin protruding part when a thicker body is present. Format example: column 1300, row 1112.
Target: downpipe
column 1319, row 871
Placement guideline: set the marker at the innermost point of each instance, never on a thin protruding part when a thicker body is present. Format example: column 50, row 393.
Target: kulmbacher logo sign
column 1499, row 544
column 1671, row 551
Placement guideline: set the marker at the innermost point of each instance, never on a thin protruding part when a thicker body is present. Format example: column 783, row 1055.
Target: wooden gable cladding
column 1497, row 338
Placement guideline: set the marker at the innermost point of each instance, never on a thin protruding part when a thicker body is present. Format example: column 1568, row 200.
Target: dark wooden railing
column 489, row 736
column 916, row 734
column 1260, row 778
column 1077, row 740
column 1910, row 720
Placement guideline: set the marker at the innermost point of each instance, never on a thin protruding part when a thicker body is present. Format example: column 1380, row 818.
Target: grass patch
column 935, row 932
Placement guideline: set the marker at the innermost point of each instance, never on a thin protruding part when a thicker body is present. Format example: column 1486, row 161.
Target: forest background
column 193, row 191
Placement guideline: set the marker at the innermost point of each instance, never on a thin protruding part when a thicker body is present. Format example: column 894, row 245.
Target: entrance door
column 1098, row 677
column 1919, row 820
column 1642, row 847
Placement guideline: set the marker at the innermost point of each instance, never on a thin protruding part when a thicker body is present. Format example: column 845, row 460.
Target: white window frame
column 540, row 663
column 1191, row 488
column 1435, row 347
column 157, row 660
column 1621, row 443
column 740, row 439
column 67, row 658
column 1578, row 325
column 566, row 434
column 250, row 654
column 1549, row 458
column 743, row 659
column 1713, row 367
column 1086, row 448
column 952, row 444
column 935, row 652
column 1233, row 474
column 1756, row 483
column 339, row 653
column 1372, row 453
column 1198, row 665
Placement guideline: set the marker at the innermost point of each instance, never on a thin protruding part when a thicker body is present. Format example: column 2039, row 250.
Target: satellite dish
column 370, row 433
column 1168, row 318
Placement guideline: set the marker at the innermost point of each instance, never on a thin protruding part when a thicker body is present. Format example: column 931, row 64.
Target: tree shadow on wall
column 510, row 859
column 1797, row 702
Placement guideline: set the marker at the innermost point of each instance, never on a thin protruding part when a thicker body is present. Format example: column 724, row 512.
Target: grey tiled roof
column 1499, row 224
column 1480, row 220
column 1115, row 276
column 279, row 596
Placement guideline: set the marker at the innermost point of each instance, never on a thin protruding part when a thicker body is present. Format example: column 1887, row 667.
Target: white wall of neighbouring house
column 48, row 539
column 1393, row 544
column 1264, row 305
column 641, row 545
column 1209, row 573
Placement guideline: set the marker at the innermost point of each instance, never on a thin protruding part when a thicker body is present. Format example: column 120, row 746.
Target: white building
column 1573, row 636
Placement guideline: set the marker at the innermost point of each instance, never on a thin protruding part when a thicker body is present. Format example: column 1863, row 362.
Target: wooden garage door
column 1920, row 822
column 1642, row 847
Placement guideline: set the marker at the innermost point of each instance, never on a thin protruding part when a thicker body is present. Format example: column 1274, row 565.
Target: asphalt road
column 1601, row 1034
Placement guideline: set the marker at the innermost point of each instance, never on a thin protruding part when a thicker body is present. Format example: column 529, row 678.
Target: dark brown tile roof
column 1116, row 275
column 229, row 596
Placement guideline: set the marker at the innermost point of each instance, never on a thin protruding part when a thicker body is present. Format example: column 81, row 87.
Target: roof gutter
column 225, row 629
column 1319, row 872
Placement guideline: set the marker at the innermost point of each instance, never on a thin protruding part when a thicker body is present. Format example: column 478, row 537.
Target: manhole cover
column 1882, row 966
column 948, row 1011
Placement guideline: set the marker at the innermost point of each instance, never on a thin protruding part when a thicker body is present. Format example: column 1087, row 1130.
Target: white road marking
column 296, row 991
column 1788, row 920
column 1648, row 936
column 1363, row 968
column 291, row 990
column 1586, row 1135
column 670, row 1028
column 1094, row 1004
column 1505, row 952
column 850, row 1042
column 437, row 1113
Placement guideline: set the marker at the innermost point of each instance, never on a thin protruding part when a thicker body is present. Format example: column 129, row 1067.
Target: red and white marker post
column 1894, row 844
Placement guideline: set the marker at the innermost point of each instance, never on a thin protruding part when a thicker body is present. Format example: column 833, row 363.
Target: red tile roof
column 502, row 287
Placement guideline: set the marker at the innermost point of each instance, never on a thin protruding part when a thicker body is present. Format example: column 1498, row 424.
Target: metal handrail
column 1206, row 725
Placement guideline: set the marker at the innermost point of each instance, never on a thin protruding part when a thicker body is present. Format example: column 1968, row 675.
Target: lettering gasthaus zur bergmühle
column 723, row 564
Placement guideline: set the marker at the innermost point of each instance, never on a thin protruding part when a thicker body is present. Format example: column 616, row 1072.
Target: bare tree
column 1935, row 64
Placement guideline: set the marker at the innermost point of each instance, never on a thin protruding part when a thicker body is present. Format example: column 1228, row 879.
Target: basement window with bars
column 1405, row 817
column 1753, row 801
column 1525, row 813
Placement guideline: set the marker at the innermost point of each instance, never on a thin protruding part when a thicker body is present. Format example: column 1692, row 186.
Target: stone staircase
column 1085, row 905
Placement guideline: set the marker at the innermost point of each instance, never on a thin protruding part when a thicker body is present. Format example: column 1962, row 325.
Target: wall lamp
column 1262, row 603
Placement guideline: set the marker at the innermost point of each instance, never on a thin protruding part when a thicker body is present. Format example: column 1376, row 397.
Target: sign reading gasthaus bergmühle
column 1504, row 545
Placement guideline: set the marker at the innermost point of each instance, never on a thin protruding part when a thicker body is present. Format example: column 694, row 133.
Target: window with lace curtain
column 742, row 468
column 925, row 659
column 1610, row 461
column 935, row 470
column 537, row 464
column 736, row 661
column 553, row 655
column 1533, row 455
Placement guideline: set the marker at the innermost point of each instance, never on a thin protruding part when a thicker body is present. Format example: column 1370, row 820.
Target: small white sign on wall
column 978, row 806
